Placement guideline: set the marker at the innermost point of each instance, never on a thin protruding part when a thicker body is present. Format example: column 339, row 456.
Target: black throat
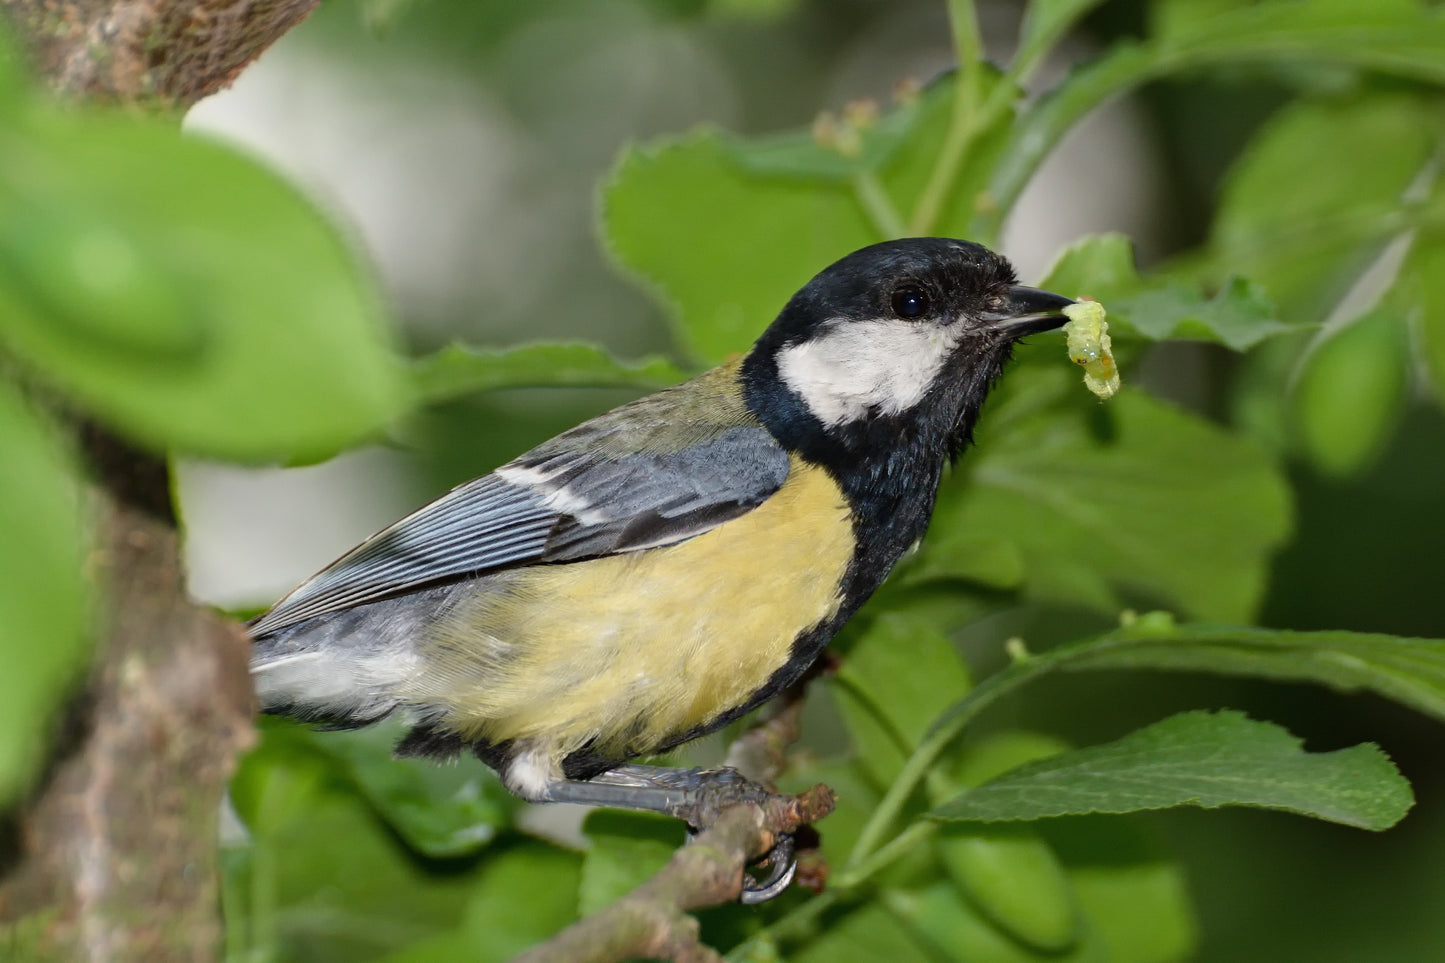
column 888, row 466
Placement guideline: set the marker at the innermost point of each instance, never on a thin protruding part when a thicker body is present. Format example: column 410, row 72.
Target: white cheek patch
column 853, row 367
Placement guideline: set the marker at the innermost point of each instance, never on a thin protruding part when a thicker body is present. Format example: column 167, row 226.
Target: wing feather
column 551, row 506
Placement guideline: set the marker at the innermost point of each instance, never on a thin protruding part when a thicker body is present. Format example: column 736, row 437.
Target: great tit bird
column 660, row 570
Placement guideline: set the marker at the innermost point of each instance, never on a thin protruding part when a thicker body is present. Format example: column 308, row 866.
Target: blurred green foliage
column 188, row 299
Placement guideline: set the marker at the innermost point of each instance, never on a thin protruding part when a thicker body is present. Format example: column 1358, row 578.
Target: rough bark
column 653, row 922
column 114, row 856
column 160, row 53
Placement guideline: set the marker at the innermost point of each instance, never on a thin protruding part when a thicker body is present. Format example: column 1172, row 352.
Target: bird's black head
column 895, row 345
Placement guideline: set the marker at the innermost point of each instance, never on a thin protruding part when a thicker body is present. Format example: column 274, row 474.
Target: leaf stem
column 885, row 855
column 963, row 126
column 931, row 747
column 879, row 207
column 956, row 719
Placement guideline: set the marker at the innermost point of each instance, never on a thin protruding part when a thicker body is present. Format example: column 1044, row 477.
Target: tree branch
column 118, row 847
column 165, row 53
column 651, row 921
column 114, row 856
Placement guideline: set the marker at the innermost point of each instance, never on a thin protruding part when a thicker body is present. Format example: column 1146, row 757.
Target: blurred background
column 461, row 144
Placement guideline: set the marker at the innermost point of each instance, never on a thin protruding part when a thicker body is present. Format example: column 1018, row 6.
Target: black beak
column 1028, row 311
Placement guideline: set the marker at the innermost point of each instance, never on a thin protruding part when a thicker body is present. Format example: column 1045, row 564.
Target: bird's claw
column 782, row 867
column 713, row 790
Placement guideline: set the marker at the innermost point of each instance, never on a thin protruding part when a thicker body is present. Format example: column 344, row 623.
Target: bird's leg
column 696, row 796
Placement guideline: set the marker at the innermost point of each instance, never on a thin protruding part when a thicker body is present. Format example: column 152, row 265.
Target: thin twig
column 652, row 921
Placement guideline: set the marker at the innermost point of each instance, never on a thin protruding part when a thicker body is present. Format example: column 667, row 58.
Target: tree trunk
column 113, row 858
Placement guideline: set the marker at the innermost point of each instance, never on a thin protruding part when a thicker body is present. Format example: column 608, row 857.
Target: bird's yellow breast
column 627, row 652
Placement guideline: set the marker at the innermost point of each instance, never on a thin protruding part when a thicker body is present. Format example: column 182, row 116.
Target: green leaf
column 1206, row 759
column 1099, row 266
column 1011, row 874
column 380, row 16
column 724, row 245
column 321, row 877
column 186, row 296
column 1352, row 391
column 892, row 683
column 625, row 849
column 1408, row 671
column 1045, row 23
column 998, row 752
column 1399, row 37
column 1320, row 188
column 798, row 153
column 1130, row 898
column 461, row 370
column 525, row 894
column 44, row 643
column 724, row 250
column 1132, row 895
column 952, row 928
column 1427, row 282
column 1133, row 495
column 440, row 810
column 15, row 84
column 863, row 934
column 1238, row 315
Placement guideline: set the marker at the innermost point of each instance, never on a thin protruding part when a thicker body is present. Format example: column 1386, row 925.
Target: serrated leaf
column 724, row 246
column 1409, row 671
column 461, row 370
column 1205, row 759
column 1238, row 315
column 186, row 296
column 722, row 249
column 1135, row 495
column 44, row 642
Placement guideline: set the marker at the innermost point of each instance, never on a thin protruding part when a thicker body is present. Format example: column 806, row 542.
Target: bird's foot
column 698, row 797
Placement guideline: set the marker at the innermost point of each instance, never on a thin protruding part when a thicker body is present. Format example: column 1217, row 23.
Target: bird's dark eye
column 910, row 303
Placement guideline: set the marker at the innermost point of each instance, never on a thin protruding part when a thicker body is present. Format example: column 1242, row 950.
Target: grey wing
column 555, row 504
